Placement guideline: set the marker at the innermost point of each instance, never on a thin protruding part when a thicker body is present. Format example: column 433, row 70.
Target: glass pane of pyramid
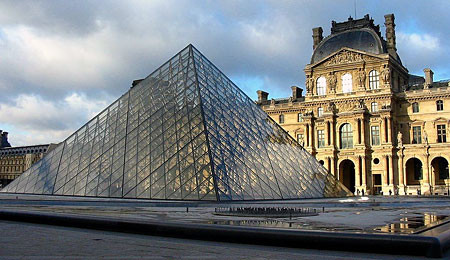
column 185, row 132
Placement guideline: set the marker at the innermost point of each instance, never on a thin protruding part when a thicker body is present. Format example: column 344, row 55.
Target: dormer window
column 439, row 105
column 281, row 119
column 415, row 107
column 347, row 83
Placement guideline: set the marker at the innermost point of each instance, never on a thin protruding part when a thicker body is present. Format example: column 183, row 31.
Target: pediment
column 346, row 56
column 440, row 119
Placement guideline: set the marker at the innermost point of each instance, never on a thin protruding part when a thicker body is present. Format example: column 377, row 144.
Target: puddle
column 413, row 223
column 256, row 223
column 409, row 223
column 281, row 224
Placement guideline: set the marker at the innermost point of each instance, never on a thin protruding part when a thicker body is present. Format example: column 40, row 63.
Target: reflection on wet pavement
column 374, row 215
column 413, row 224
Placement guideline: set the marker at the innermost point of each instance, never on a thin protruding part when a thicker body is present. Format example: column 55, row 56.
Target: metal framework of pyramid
column 186, row 132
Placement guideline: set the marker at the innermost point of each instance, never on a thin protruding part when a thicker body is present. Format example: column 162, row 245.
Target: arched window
column 321, row 86
column 281, row 119
column 374, row 79
column 374, row 107
column 439, row 105
column 415, row 107
column 346, row 134
column 347, row 83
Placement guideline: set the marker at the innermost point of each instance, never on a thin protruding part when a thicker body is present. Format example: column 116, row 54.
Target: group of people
column 270, row 210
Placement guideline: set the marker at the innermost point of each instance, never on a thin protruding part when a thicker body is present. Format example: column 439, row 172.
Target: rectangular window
column 374, row 107
column 375, row 131
column 300, row 139
column 417, row 135
column 441, row 134
column 281, row 119
column 415, row 107
column 320, row 111
column 440, row 105
column 320, row 138
column 300, row 117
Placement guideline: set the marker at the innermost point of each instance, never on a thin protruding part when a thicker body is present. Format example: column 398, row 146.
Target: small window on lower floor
column 320, row 138
column 441, row 134
column 375, row 132
column 300, row 139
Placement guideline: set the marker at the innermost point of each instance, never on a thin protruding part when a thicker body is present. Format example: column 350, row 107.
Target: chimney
column 296, row 92
column 262, row 96
column 4, row 139
column 428, row 76
column 390, row 33
column 317, row 36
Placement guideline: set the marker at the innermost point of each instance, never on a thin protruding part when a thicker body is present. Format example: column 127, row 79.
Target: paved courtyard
column 402, row 215
column 32, row 241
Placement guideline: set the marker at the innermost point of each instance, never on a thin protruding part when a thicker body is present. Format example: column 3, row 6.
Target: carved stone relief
column 332, row 81
column 345, row 57
column 361, row 79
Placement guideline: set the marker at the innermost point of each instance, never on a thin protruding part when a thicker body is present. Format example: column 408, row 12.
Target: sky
column 62, row 62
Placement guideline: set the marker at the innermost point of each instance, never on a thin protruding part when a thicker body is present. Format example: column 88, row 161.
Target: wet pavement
column 34, row 241
column 401, row 215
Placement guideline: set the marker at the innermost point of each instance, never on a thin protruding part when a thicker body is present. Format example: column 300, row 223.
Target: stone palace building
column 15, row 160
column 374, row 126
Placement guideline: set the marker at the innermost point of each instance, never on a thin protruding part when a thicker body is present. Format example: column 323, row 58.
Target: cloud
column 419, row 42
column 427, row 50
column 52, row 49
column 39, row 121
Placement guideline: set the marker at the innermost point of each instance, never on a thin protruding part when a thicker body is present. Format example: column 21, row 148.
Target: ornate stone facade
column 377, row 128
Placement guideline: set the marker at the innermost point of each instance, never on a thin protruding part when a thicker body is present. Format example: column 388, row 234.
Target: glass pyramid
column 186, row 132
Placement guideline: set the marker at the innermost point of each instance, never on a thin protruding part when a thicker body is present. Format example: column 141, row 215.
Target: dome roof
column 363, row 39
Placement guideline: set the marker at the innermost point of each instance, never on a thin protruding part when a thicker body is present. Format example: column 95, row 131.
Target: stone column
column 363, row 174
column 386, row 169
column 426, row 172
column 391, row 170
column 308, row 132
column 333, row 167
column 326, row 133
column 358, row 173
column 358, row 131
column 401, row 176
column 389, row 130
column 382, row 131
column 363, row 131
column 311, row 134
column 425, row 183
column 332, row 132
